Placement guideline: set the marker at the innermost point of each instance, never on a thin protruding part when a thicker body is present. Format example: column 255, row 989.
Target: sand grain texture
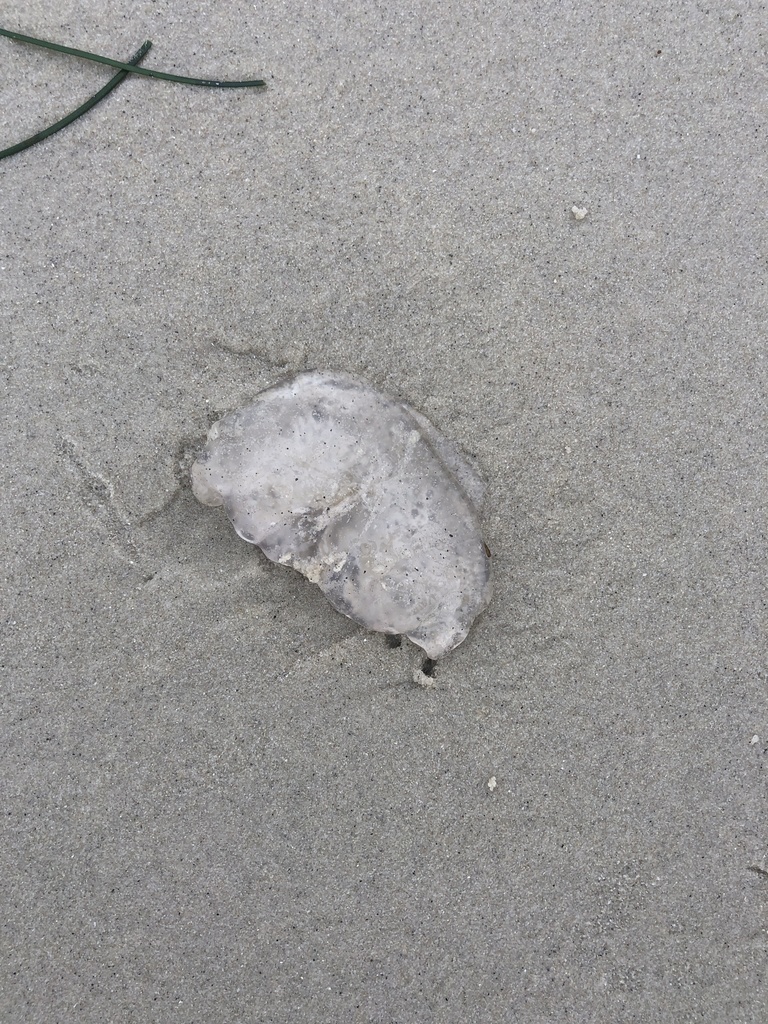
column 224, row 802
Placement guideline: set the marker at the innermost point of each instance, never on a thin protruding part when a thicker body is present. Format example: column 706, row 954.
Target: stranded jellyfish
column 361, row 494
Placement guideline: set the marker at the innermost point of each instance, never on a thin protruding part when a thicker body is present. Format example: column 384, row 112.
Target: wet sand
column 223, row 801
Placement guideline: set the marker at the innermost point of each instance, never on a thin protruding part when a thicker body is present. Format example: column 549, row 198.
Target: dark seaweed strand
column 84, row 108
column 130, row 68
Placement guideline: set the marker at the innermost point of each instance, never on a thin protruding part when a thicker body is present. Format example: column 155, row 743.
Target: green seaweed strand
column 69, row 118
column 131, row 68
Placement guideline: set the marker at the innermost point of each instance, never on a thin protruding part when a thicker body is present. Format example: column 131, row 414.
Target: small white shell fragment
column 492, row 783
column 362, row 495
column 421, row 678
column 579, row 212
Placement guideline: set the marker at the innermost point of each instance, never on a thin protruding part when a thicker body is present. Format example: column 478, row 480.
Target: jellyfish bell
column 362, row 495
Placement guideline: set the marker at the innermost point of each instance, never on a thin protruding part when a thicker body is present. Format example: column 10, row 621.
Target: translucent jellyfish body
column 361, row 494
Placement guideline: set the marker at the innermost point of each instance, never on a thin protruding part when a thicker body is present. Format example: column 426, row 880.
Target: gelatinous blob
column 362, row 495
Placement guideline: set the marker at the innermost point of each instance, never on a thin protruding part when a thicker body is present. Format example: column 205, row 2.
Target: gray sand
column 221, row 800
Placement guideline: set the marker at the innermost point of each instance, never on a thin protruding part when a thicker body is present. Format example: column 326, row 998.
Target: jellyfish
column 361, row 494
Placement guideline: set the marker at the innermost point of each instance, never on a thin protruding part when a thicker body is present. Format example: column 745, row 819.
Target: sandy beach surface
column 544, row 226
